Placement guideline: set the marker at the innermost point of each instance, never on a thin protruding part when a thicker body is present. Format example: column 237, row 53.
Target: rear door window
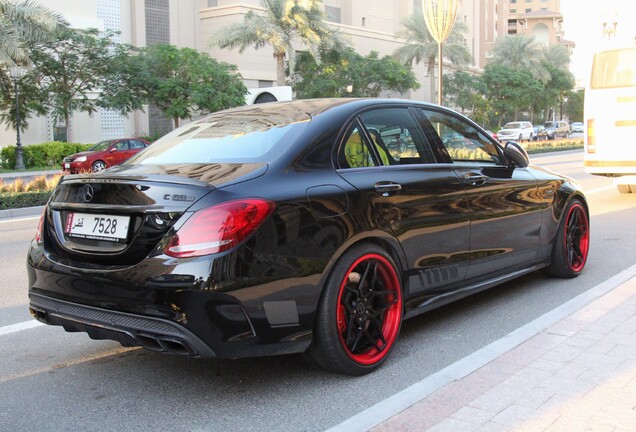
column 385, row 136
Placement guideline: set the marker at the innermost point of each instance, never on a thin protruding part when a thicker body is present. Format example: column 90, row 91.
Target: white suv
column 519, row 131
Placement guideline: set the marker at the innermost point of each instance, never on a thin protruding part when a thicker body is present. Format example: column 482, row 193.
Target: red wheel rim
column 369, row 310
column 577, row 238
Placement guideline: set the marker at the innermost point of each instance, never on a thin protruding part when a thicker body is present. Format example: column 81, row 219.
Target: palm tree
column 283, row 22
column 420, row 46
column 521, row 53
column 21, row 23
column 557, row 56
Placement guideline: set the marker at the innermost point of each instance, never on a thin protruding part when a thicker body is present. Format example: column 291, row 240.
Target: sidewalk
column 578, row 374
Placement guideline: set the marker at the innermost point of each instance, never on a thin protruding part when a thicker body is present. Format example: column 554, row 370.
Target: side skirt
column 430, row 303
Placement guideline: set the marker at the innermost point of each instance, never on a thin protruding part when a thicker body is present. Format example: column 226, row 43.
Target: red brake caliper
column 340, row 317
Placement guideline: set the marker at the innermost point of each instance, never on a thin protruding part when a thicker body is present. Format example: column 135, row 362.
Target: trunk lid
column 119, row 216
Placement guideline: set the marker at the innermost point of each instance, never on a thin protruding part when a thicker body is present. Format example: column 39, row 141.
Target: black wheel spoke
column 359, row 335
column 372, row 341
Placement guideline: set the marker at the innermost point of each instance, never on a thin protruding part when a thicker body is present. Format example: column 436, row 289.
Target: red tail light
column 38, row 233
column 218, row 228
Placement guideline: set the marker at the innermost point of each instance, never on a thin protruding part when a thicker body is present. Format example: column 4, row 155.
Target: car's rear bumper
column 128, row 329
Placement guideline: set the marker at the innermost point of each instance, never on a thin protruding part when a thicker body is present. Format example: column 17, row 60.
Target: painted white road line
column 19, row 327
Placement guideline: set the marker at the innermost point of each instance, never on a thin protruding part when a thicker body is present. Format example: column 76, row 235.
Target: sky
column 582, row 24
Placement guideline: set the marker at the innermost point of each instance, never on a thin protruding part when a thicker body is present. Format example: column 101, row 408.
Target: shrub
column 40, row 155
column 17, row 194
column 20, row 200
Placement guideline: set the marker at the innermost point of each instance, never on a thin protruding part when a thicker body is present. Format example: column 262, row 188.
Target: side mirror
column 516, row 155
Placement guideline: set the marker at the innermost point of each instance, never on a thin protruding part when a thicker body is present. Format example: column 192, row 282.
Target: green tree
column 180, row 82
column 282, row 23
column 574, row 106
column 468, row 92
column 420, row 46
column 22, row 23
column 557, row 88
column 367, row 76
column 509, row 90
column 69, row 72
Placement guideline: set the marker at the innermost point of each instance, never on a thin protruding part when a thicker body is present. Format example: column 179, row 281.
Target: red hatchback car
column 103, row 155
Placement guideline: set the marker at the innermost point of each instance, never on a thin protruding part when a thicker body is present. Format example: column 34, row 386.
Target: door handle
column 387, row 188
column 475, row 179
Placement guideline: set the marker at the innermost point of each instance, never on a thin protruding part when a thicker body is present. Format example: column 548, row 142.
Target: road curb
column 21, row 212
column 404, row 399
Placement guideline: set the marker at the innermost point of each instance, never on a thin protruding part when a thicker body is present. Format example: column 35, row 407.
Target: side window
column 136, row 144
column 396, row 136
column 122, row 145
column 462, row 141
column 355, row 153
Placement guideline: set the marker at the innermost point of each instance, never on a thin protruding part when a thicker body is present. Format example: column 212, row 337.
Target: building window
column 528, row 10
column 513, row 1
column 528, row 1
column 333, row 14
column 513, row 10
column 213, row 3
column 264, row 83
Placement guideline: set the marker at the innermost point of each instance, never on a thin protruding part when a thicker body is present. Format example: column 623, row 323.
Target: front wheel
column 360, row 313
column 572, row 242
column 98, row 166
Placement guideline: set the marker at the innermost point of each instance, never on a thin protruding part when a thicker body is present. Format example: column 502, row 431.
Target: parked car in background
column 519, row 131
column 540, row 134
column 557, row 129
column 576, row 127
column 301, row 226
column 103, row 155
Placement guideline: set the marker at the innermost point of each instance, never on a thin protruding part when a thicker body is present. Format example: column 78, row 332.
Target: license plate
column 97, row 227
column 67, row 165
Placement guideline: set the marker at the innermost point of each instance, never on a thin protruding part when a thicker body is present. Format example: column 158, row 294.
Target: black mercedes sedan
column 311, row 226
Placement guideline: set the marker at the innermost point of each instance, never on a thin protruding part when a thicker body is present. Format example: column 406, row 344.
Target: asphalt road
column 53, row 380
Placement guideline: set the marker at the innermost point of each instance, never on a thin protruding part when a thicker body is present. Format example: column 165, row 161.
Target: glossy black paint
column 453, row 228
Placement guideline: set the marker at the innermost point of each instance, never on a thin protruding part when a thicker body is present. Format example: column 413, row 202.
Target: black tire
column 360, row 313
column 98, row 166
column 531, row 138
column 572, row 242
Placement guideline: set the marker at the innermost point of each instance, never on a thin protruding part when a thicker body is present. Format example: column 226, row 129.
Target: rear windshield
column 229, row 137
column 615, row 68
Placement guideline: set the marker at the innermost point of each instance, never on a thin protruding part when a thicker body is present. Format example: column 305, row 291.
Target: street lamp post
column 16, row 73
column 439, row 16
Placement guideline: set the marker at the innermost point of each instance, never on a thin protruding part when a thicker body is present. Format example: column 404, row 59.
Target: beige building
column 540, row 19
column 368, row 24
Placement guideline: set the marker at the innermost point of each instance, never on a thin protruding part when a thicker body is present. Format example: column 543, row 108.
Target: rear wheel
column 360, row 313
column 572, row 242
column 98, row 166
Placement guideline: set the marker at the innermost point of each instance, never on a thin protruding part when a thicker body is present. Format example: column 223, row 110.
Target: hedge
column 24, row 199
column 41, row 155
